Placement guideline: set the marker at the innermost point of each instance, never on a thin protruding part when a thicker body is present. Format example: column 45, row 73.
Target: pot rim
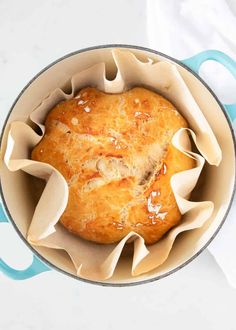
column 125, row 284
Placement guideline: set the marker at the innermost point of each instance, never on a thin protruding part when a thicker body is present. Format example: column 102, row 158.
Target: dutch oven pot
column 219, row 186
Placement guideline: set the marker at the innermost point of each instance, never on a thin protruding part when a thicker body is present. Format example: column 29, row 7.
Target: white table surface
column 33, row 34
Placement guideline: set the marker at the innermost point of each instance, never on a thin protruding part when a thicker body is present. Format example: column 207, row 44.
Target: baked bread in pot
column 115, row 152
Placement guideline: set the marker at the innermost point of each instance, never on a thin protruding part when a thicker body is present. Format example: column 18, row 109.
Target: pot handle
column 35, row 268
column 196, row 61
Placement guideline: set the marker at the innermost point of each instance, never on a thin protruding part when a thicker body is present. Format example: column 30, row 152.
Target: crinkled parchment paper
column 94, row 261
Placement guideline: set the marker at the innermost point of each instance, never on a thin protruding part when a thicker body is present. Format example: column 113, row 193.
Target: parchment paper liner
column 94, row 261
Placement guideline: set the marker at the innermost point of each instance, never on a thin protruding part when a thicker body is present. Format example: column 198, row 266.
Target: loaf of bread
column 115, row 152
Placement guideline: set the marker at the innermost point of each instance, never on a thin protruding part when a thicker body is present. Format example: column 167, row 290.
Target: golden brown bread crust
column 115, row 153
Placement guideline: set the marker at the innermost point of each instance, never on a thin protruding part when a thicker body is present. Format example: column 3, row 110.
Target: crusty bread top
column 115, row 153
